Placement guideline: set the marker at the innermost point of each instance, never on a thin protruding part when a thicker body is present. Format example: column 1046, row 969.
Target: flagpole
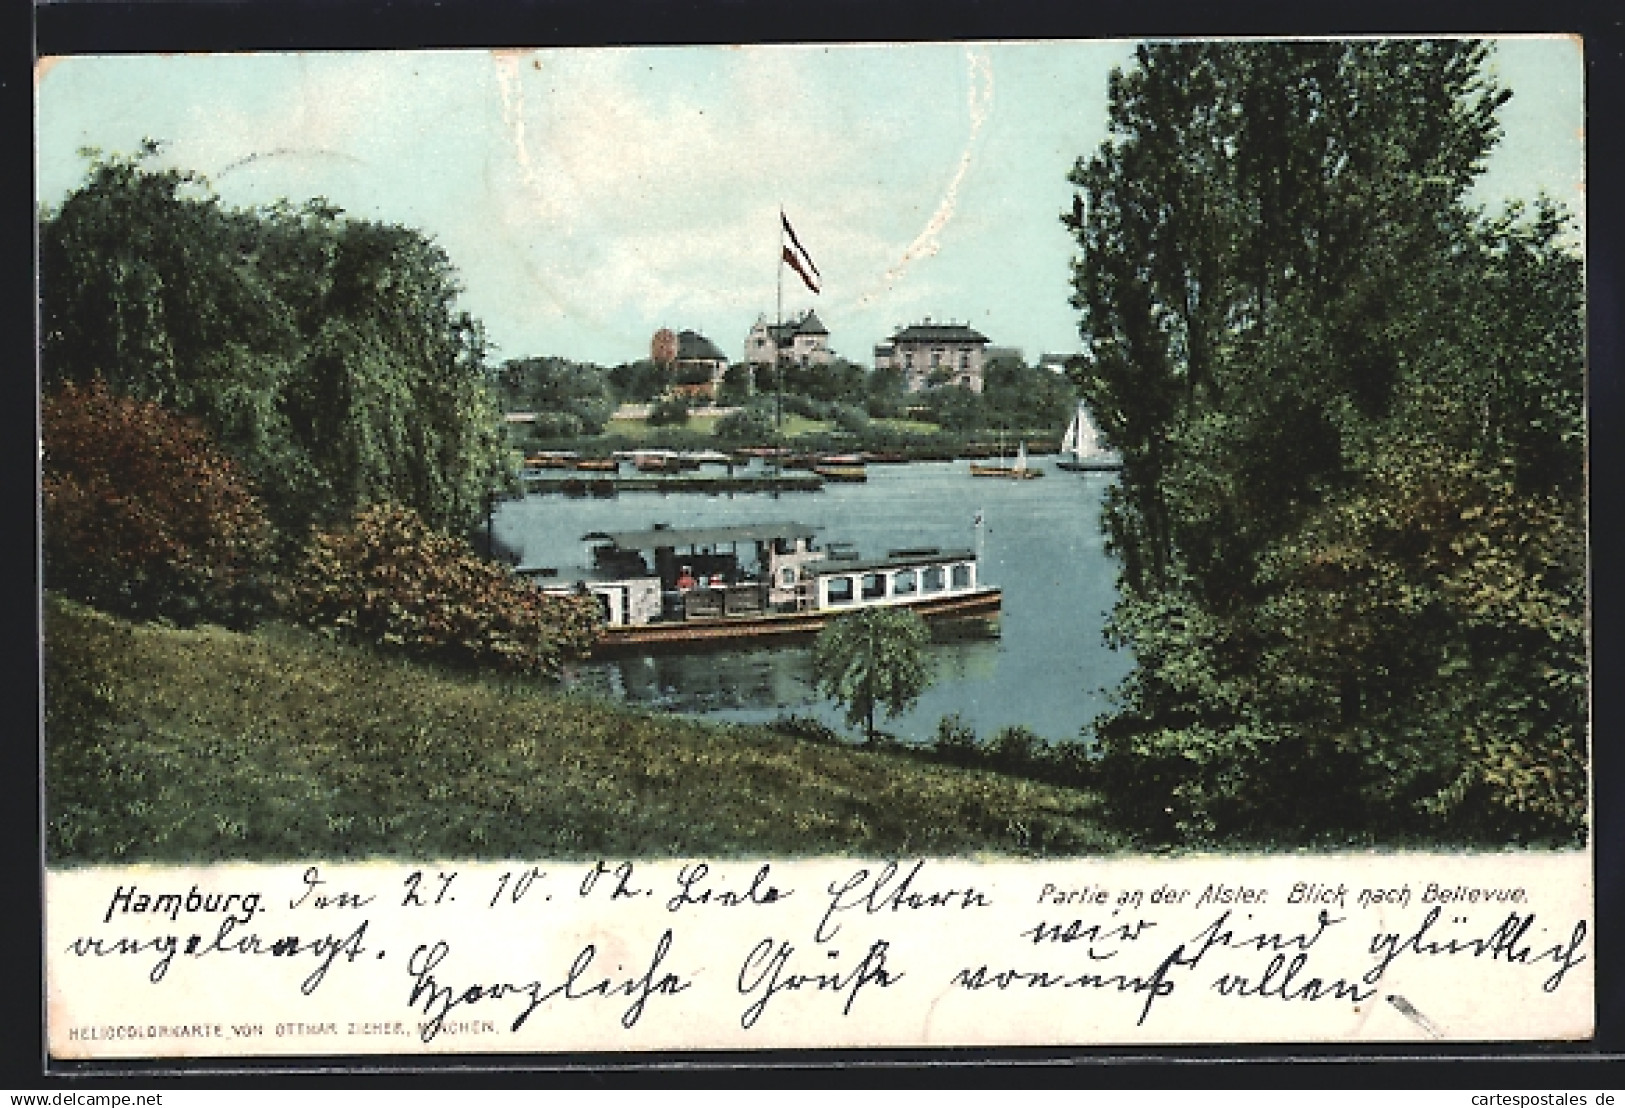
column 778, row 334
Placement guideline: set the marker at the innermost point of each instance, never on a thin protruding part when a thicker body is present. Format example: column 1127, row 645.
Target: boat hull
column 1009, row 473
column 844, row 473
column 1089, row 467
column 778, row 626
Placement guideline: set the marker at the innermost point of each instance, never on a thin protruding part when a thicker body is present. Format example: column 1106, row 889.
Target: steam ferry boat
column 760, row 582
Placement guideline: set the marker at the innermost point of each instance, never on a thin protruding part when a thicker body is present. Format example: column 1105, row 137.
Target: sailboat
column 1081, row 449
column 1020, row 471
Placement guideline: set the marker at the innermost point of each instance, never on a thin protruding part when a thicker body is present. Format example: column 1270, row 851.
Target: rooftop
column 700, row 536
column 835, row 567
column 693, row 346
column 938, row 332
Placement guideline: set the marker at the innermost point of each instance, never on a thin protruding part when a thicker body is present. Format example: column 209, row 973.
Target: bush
column 748, row 425
column 885, row 407
column 807, row 728
column 551, row 426
column 394, row 581
column 1016, row 749
column 805, row 407
column 849, row 418
column 671, row 412
column 144, row 516
column 955, row 741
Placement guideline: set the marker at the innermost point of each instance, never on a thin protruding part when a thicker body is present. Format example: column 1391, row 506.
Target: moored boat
column 1080, row 447
column 841, row 467
column 550, row 459
column 1017, row 471
column 848, row 474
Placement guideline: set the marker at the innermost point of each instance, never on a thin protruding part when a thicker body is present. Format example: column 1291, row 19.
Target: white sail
column 1081, row 448
column 1069, row 442
column 1088, row 441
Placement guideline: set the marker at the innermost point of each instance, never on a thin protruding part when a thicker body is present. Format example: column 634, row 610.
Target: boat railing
column 718, row 601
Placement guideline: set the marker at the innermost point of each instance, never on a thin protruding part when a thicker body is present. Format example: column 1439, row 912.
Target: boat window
column 874, row 586
column 934, row 578
column 904, row 583
column 840, row 590
column 962, row 576
column 787, row 576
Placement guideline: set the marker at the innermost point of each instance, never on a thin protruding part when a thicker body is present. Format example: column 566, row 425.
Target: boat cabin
column 700, row 571
column 902, row 577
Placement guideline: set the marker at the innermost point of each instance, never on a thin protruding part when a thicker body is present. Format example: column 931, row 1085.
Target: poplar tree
column 1318, row 363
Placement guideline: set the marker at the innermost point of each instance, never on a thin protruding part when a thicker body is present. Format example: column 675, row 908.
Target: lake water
column 1048, row 668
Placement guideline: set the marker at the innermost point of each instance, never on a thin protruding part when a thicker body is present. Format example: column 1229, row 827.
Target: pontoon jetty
column 716, row 585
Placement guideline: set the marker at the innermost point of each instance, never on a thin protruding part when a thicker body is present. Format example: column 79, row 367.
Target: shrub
column 849, row 418
column 1016, row 749
column 671, row 412
column 394, row 581
column 550, row 426
column 955, row 741
column 806, row 728
column 144, row 516
column 748, row 425
column 803, row 406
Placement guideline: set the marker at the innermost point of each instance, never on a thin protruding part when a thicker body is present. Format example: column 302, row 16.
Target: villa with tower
column 801, row 341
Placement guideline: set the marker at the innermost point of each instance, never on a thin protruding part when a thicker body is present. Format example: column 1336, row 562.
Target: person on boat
column 685, row 580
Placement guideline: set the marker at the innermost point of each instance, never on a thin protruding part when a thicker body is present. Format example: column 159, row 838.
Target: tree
column 640, row 380
column 575, row 395
column 957, row 408
column 1020, row 396
column 747, row 425
column 1322, row 370
column 325, row 354
column 873, row 658
column 736, row 384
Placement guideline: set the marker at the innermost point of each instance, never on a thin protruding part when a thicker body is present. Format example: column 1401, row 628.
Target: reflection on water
column 751, row 684
column 712, row 681
column 1048, row 669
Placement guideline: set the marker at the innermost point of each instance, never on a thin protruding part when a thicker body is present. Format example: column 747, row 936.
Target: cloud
column 647, row 184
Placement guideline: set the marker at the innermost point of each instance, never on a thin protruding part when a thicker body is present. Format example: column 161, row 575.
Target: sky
column 589, row 197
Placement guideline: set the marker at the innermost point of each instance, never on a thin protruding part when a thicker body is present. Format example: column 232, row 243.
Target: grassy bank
column 167, row 745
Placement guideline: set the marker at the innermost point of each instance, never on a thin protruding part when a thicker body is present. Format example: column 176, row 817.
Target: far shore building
column 699, row 368
column 931, row 355
column 802, row 341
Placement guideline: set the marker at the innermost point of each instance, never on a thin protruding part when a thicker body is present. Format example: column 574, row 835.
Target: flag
column 797, row 258
column 794, row 262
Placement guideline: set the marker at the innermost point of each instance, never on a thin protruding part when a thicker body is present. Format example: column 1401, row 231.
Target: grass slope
column 166, row 745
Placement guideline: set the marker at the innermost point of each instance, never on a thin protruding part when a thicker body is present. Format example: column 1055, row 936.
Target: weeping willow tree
column 326, row 353
column 1350, row 522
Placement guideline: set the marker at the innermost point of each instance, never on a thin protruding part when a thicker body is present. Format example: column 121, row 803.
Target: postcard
column 1036, row 543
